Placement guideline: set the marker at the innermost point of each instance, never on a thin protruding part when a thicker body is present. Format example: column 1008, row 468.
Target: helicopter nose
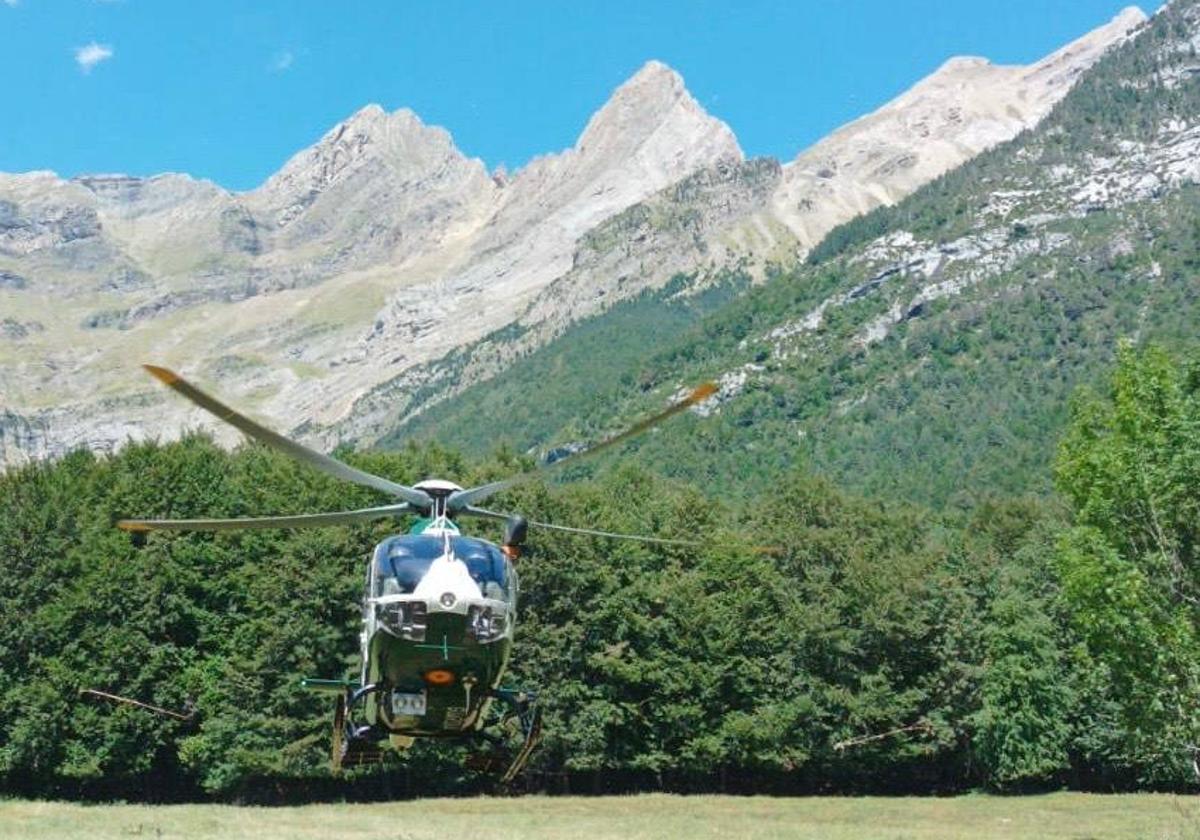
column 447, row 586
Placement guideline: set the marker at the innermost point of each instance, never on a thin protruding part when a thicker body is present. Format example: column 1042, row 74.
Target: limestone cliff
column 318, row 299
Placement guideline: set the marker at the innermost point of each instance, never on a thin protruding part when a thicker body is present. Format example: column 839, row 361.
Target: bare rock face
column 966, row 106
column 649, row 135
column 701, row 224
column 380, row 247
column 743, row 214
column 377, row 187
column 317, row 300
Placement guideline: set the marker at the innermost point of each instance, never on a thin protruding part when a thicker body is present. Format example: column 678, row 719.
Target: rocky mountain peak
column 655, row 105
column 1061, row 67
column 380, row 249
column 373, row 124
column 650, row 133
column 653, row 82
column 958, row 63
column 1038, row 85
column 369, row 114
column 395, row 146
column 1128, row 18
column 967, row 105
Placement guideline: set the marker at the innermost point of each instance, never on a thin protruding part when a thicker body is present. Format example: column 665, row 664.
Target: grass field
column 1060, row 815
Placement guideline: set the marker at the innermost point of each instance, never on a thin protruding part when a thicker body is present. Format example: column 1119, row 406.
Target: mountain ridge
column 842, row 169
column 376, row 251
column 930, row 351
column 720, row 246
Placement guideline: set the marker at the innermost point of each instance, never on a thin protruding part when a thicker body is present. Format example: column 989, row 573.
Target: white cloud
column 91, row 55
column 283, row 61
column 10, row 2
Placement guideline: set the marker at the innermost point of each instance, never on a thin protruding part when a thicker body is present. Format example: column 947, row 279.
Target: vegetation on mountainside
column 877, row 647
column 961, row 400
column 542, row 393
column 965, row 395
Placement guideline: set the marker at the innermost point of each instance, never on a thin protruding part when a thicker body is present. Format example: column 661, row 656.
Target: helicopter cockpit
column 401, row 562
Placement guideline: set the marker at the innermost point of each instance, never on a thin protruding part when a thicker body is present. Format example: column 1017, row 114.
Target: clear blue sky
column 229, row 90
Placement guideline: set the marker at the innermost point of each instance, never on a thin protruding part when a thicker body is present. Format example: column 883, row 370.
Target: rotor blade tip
column 132, row 526
column 167, row 377
column 702, row 392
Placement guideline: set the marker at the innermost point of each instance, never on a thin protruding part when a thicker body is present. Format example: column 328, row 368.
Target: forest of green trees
column 820, row 642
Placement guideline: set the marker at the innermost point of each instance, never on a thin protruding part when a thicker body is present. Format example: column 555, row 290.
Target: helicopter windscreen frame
column 399, row 563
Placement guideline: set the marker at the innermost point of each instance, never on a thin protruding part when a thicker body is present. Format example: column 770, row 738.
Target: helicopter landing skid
column 521, row 708
column 353, row 745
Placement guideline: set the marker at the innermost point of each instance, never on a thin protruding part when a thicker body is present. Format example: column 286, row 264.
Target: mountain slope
column 379, row 246
column 372, row 261
column 965, row 107
column 756, row 215
column 930, row 349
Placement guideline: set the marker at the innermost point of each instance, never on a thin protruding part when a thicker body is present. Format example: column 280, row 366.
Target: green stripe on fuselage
column 424, row 523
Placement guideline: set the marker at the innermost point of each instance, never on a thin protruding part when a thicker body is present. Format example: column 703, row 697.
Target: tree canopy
column 819, row 640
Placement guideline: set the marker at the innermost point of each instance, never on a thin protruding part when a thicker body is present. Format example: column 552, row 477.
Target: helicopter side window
column 401, row 562
column 488, row 567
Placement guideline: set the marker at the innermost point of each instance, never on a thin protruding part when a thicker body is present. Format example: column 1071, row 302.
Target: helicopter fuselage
column 437, row 626
column 439, row 609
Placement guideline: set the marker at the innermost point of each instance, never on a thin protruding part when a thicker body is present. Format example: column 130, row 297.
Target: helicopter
column 439, row 607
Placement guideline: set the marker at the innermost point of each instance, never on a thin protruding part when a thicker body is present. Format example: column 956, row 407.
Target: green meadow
column 658, row 817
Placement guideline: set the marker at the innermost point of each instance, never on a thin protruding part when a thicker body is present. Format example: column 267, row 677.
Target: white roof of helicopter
column 437, row 485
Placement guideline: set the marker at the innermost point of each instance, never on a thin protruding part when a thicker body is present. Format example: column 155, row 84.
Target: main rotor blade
column 463, row 498
column 317, row 460
column 504, row 517
column 483, row 513
column 304, row 520
column 589, row 532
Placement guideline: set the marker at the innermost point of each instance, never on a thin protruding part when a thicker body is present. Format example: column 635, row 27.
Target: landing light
column 439, row 676
column 485, row 624
column 403, row 619
column 447, row 599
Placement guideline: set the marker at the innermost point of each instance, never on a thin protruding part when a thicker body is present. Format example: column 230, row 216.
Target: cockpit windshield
column 400, row 562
